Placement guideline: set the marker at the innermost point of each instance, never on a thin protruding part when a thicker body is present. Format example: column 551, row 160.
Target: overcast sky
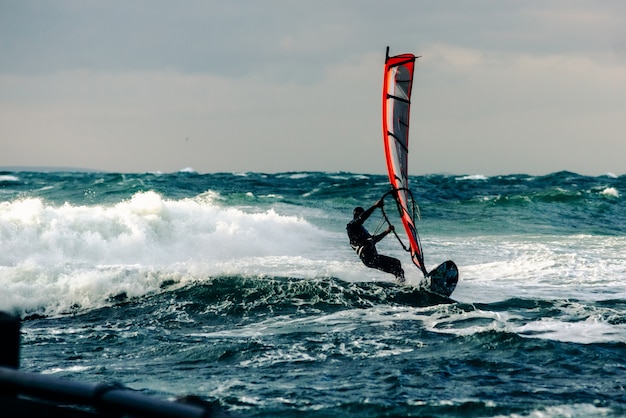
column 502, row 87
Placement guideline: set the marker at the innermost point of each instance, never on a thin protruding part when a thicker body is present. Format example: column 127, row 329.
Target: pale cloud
column 521, row 111
column 533, row 86
column 164, row 121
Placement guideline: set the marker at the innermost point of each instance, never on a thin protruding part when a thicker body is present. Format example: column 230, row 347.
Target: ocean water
column 241, row 288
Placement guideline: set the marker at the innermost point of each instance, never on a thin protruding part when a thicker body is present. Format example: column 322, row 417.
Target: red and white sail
column 397, row 85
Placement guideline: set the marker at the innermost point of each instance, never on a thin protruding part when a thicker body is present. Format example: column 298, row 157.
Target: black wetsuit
column 365, row 246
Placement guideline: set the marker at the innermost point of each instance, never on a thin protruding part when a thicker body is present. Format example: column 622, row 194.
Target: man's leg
column 388, row 265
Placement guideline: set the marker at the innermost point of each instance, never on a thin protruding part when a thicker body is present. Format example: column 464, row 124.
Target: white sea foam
column 7, row 178
column 573, row 323
column 472, row 177
column 567, row 268
column 297, row 176
column 574, row 410
column 592, row 330
column 610, row 192
column 495, row 268
column 73, row 369
column 69, row 255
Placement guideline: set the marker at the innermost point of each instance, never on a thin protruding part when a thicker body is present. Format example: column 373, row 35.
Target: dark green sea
column 242, row 289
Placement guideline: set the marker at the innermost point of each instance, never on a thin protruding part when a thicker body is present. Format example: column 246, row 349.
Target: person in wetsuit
column 365, row 244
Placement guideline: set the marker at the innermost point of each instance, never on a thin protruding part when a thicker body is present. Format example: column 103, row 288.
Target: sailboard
column 396, row 106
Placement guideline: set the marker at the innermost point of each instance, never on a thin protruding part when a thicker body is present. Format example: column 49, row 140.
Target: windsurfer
column 364, row 243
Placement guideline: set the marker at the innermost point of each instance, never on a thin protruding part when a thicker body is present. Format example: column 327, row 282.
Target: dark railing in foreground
column 31, row 394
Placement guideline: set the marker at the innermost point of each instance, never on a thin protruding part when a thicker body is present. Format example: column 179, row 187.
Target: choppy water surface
column 242, row 289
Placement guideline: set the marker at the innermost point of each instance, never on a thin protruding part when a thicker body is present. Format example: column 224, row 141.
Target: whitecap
column 472, row 177
column 610, row 192
column 74, row 369
column 8, row 178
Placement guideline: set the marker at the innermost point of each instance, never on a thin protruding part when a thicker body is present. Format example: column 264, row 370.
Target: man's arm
column 382, row 235
column 371, row 210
